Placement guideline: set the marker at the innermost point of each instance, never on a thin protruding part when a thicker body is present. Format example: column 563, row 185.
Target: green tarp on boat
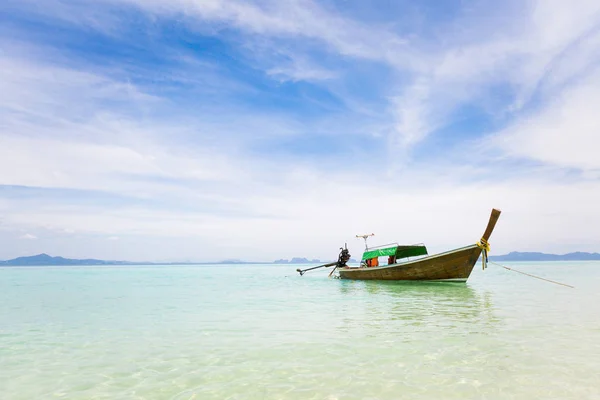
column 398, row 251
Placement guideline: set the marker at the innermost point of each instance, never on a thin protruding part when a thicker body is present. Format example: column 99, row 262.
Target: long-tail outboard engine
column 344, row 256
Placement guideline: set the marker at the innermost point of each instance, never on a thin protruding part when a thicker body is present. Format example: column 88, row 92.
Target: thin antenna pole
column 365, row 237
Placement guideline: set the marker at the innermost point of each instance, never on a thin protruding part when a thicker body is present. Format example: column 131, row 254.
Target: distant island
column 297, row 260
column 302, row 260
column 534, row 256
column 46, row 260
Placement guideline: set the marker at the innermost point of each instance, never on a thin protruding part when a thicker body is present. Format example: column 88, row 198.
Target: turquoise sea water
column 263, row 332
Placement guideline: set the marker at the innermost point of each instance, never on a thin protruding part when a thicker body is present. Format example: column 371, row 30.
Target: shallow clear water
column 263, row 332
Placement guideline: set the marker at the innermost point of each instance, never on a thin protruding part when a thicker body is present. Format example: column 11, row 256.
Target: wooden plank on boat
column 491, row 224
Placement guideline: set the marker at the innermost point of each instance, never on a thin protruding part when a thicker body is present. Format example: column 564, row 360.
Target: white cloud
column 84, row 14
column 43, row 92
column 553, row 43
column 301, row 70
column 65, row 164
column 28, row 236
column 548, row 43
column 63, row 128
column 293, row 18
column 565, row 133
column 542, row 217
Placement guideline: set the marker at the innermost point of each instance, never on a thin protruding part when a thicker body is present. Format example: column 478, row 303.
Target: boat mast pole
column 365, row 237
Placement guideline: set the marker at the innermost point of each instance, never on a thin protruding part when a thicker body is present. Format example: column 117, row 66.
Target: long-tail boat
column 451, row 266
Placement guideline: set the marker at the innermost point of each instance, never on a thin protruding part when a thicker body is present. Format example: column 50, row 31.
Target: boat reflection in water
column 404, row 306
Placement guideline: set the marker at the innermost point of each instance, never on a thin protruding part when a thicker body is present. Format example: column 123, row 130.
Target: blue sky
column 204, row 130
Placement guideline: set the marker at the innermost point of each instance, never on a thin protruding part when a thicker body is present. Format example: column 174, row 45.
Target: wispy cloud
column 300, row 70
column 563, row 133
column 506, row 71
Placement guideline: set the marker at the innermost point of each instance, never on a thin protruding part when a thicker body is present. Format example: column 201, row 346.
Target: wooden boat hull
column 452, row 266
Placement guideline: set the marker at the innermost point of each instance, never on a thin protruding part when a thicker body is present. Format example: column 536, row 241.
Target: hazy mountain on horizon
column 536, row 256
column 46, row 260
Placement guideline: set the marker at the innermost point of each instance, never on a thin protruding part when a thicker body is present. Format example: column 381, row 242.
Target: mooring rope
column 485, row 250
column 533, row 276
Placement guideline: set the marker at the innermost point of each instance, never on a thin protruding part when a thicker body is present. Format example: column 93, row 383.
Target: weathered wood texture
column 457, row 264
column 491, row 224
